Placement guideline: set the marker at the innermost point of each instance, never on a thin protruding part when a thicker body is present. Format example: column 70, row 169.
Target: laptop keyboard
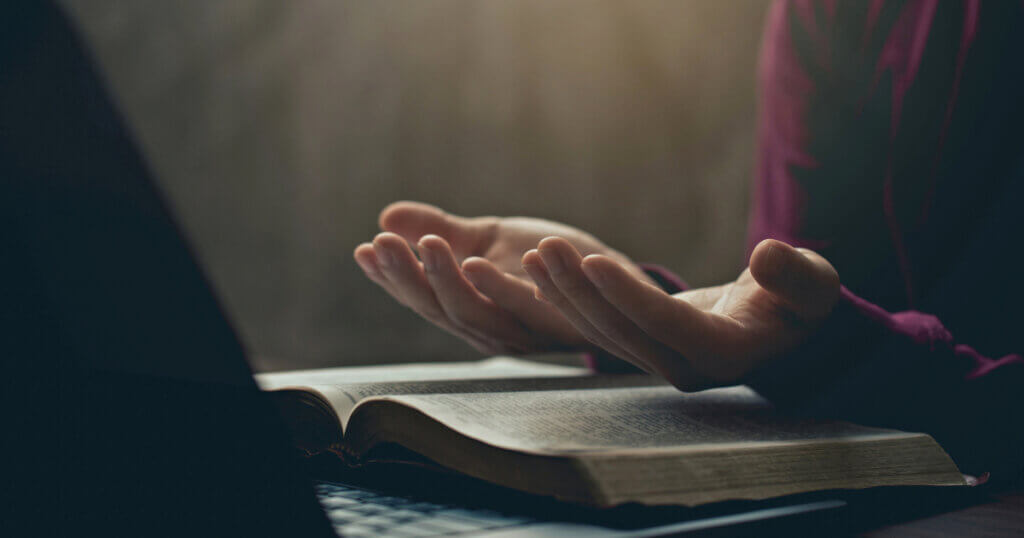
column 357, row 512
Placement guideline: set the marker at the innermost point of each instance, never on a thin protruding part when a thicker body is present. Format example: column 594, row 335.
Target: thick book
column 594, row 439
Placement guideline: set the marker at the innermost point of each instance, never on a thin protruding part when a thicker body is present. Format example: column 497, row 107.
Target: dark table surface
column 998, row 514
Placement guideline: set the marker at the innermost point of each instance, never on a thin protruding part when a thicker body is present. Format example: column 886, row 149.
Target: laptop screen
column 135, row 410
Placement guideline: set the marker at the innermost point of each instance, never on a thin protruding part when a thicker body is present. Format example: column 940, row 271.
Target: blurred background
column 280, row 129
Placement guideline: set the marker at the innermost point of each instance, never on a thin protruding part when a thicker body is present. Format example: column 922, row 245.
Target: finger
column 700, row 337
column 463, row 304
column 800, row 279
column 519, row 298
column 406, row 278
column 413, row 220
column 405, row 274
column 366, row 258
column 534, row 267
column 563, row 263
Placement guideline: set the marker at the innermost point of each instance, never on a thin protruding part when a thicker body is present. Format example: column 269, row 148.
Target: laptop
column 130, row 407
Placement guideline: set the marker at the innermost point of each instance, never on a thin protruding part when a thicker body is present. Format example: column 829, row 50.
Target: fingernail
column 429, row 257
column 596, row 275
column 385, row 257
column 554, row 261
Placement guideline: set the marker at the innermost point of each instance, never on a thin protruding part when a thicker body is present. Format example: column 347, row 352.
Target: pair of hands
column 521, row 285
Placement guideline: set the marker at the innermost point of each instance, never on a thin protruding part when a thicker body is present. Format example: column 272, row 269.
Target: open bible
column 599, row 440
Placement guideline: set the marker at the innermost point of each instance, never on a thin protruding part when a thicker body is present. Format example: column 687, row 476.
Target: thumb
column 800, row 279
column 413, row 220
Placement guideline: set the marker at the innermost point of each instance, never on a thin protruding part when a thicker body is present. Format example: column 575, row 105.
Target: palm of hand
column 698, row 338
column 474, row 286
column 759, row 326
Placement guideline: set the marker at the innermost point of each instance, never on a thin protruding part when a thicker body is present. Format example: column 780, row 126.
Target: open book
column 599, row 440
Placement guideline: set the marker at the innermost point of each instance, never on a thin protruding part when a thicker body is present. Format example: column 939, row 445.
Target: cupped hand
column 695, row 339
column 468, row 278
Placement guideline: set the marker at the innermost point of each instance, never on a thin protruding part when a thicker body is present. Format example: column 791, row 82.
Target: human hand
column 470, row 281
column 695, row 339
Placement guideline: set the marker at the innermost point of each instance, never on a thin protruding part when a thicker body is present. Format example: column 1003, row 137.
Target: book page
column 344, row 397
column 494, row 367
column 344, row 387
column 617, row 419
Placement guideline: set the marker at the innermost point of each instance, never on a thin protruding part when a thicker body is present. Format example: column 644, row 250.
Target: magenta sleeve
column 666, row 279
